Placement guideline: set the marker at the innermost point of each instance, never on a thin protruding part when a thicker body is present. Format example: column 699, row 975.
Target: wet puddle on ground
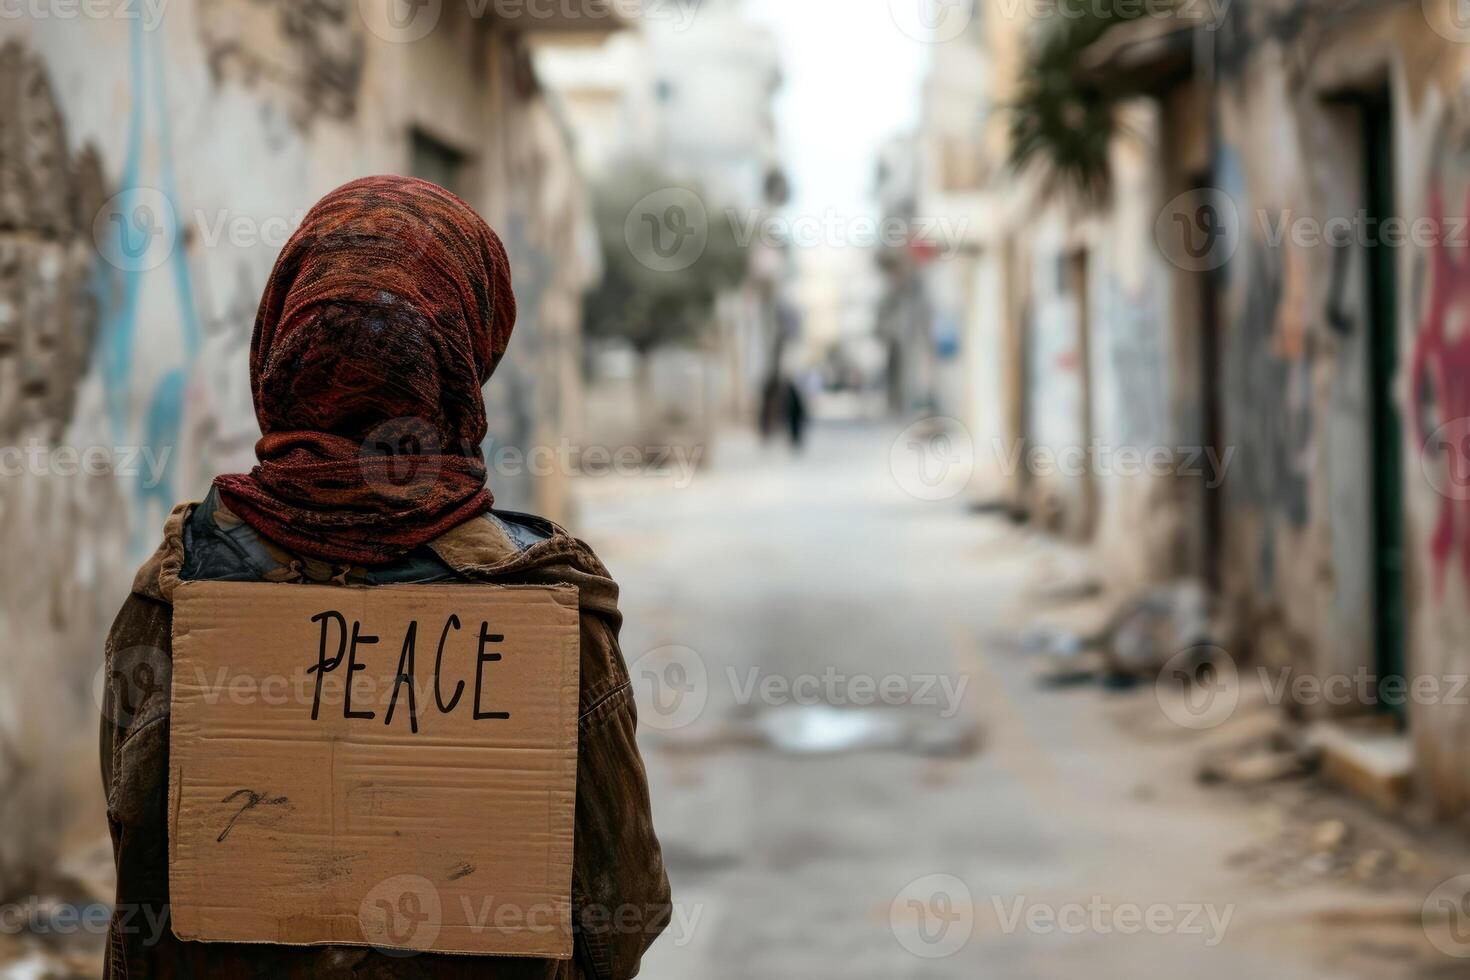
column 820, row 729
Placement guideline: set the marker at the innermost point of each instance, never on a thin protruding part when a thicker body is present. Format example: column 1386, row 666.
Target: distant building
column 692, row 91
column 968, row 306
column 903, row 315
column 1255, row 349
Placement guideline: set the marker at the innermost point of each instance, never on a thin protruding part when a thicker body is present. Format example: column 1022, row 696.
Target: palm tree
column 1062, row 124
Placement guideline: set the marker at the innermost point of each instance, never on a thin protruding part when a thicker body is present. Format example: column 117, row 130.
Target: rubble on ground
column 1135, row 639
column 1319, row 837
column 1160, row 623
column 1282, row 753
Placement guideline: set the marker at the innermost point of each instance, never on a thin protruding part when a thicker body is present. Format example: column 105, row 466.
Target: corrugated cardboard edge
column 564, row 593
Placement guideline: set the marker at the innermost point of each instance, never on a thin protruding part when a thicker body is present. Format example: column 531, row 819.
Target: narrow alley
column 1029, row 823
column 1029, row 440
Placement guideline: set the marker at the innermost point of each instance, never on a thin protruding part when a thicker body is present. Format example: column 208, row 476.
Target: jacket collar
column 477, row 547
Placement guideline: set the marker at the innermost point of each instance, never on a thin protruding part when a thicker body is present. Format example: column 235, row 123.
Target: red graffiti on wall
column 1442, row 363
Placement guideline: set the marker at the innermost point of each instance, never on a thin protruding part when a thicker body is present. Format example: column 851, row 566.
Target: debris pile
column 1318, row 839
column 1135, row 641
column 1280, row 754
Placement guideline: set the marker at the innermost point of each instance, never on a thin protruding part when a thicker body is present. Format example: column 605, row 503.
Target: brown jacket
column 620, row 892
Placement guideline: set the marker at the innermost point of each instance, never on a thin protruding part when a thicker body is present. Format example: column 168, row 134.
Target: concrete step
column 1369, row 760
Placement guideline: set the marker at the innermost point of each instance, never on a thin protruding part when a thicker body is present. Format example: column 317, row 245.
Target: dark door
column 1080, row 286
column 1211, row 415
column 1390, row 628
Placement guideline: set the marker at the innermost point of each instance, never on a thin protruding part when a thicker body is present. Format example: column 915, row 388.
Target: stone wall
column 151, row 166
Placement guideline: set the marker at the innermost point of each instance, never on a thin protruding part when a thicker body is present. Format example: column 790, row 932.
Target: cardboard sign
column 426, row 804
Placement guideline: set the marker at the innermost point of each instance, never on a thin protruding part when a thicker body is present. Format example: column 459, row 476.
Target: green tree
column 645, row 298
column 1062, row 126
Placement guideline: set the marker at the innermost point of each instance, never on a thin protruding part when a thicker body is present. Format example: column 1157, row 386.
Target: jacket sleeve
column 620, row 890
column 137, row 670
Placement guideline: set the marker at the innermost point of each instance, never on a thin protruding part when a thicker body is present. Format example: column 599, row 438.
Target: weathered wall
column 1102, row 432
column 1138, row 520
column 1298, row 561
column 220, row 124
column 987, row 380
column 1069, row 353
column 1057, row 407
column 60, row 553
column 1433, row 103
column 980, row 292
column 1274, row 359
column 1270, row 126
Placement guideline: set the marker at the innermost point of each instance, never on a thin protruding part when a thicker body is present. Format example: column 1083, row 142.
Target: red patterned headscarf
column 386, row 312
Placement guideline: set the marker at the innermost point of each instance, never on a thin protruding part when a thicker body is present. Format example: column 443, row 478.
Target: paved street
column 1059, row 820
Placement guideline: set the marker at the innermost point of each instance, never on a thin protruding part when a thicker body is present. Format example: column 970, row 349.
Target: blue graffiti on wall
column 138, row 224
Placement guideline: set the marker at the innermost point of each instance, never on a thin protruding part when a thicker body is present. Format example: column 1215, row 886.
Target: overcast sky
column 852, row 79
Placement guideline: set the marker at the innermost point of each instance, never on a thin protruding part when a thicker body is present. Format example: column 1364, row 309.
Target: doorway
column 1079, row 284
column 1390, row 606
column 1211, row 417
